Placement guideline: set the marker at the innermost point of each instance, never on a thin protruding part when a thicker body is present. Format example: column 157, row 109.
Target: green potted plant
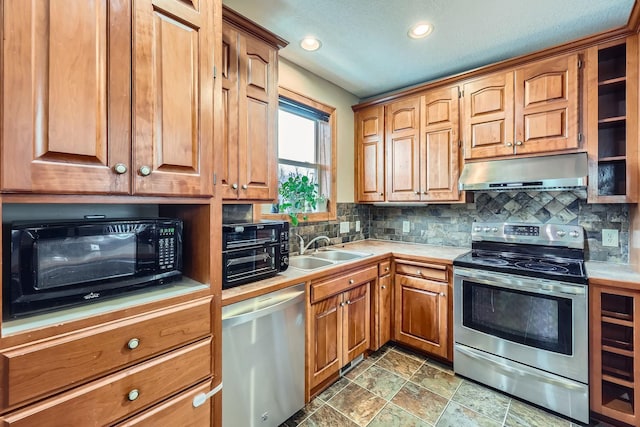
column 299, row 193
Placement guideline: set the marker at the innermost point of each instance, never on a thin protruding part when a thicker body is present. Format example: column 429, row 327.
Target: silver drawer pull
column 133, row 394
column 351, row 281
column 442, row 294
column 133, row 343
column 419, row 272
column 199, row 399
column 383, row 287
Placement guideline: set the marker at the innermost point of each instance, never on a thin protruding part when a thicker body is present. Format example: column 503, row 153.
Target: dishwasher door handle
column 293, row 298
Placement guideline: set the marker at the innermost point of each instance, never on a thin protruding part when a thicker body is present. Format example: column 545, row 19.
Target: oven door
column 539, row 323
column 249, row 265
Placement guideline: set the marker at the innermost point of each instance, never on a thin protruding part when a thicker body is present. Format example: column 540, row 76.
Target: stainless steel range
column 521, row 314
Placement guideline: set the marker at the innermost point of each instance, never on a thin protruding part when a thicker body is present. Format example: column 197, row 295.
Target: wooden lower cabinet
column 37, row 370
column 422, row 309
column 339, row 325
column 114, row 397
column 614, row 351
column 178, row 411
column 382, row 312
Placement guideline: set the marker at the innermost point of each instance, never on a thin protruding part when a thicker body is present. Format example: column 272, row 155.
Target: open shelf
column 613, row 69
column 614, row 363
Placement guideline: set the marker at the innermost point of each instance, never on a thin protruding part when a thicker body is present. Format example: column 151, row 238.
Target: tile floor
column 395, row 387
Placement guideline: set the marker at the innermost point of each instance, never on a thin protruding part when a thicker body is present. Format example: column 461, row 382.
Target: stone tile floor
column 397, row 388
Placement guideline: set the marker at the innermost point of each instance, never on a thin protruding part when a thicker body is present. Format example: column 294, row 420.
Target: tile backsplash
column 450, row 225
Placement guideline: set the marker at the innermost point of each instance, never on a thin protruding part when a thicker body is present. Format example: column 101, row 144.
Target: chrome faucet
column 304, row 248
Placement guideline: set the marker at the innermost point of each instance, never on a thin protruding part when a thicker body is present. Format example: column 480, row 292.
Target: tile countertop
column 380, row 249
column 622, row 275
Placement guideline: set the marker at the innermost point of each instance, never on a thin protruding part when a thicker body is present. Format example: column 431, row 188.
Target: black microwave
column 56, row 264
column 252, row 252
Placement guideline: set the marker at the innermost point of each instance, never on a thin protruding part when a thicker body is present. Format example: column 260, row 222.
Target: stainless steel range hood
column 557, row 172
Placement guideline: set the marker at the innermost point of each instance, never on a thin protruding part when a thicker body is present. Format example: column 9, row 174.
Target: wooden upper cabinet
column 488, row 116
column 66, row 81
column 439, row 145
column 369, row 141
column 402, row 142
column 422, row 154
column 532, row 109
column 71, row 86
column 546, row 106
column 248, row 169
column 173, row 97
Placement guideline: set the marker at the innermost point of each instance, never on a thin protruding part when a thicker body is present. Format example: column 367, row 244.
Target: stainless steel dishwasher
column 263, row 358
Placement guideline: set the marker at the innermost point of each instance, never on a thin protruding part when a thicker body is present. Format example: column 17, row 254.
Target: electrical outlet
column 609, row 237
column 357, row 226
column 406, row 226
column 344, row 227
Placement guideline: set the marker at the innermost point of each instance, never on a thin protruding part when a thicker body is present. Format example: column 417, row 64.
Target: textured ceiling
column 365, row 48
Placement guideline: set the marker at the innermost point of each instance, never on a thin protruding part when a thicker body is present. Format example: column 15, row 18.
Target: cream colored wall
column 297, row 79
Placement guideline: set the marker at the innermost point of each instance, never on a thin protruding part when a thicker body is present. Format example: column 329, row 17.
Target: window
column 307, row 146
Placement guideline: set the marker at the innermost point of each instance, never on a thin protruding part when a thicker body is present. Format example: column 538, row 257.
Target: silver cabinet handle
column 382, row 194
column 120, row 168
column 245, row 186
column 419, row 272
column 234, row 186
column 442, row 294
column 383, row 287
column 351, row 281
column 509, row 144
column 348, row 302
column 133, row 394
column 417, row 192
column 133, row 343
column 518, row 142
column 145, row 170
column 386, row 269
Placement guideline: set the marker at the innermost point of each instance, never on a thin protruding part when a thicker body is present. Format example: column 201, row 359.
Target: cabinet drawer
column 384, row 268
column 325, row 288
column 38, row 370
column 423, row 270
column 178, row 411
column 114, row 397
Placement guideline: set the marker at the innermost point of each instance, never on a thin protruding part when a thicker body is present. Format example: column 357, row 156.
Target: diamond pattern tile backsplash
column 450, row 225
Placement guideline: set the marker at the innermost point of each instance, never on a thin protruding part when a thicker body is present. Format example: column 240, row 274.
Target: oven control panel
column 537, row 234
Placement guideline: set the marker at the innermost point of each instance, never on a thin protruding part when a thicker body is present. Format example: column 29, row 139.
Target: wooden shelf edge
column 613, row 380
column 612, row 81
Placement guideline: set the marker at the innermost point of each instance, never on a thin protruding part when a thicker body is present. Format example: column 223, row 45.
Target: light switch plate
column 357, row 226
column 344, row 227
column 610, row 237
column 406, row 226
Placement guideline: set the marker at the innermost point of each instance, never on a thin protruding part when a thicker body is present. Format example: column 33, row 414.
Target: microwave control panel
column 166, row 248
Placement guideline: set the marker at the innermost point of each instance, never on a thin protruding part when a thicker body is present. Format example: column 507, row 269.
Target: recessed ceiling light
column 310, row 43
column 420, row 30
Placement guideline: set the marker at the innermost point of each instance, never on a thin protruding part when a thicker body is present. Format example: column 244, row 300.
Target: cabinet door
column 546, row 105
column 173, row 97
column 228, row 147
column 384, row 310
column 439, row 153
column 66, row 81
column 326, row 339
column 421, row 314
column 488, row 116
column 402, row 124
column 258, row 111
column 369, row 141
column 356, row 322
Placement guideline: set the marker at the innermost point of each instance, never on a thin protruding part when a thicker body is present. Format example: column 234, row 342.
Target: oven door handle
column 246, row 259
column 511, row 371
column 539, row 286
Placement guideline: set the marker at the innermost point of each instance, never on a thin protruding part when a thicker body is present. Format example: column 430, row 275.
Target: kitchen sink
column 308, row 263
column 324, row 258
column 339, row 255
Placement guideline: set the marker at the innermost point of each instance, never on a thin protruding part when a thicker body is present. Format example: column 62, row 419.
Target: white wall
column 297, row 79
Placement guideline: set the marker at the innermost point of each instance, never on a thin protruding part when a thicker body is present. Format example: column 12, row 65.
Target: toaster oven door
column 249, row 264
